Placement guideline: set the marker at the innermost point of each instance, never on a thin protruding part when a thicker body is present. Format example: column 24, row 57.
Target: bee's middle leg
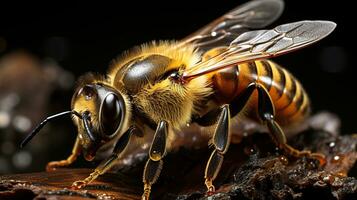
column 220, row 140
column 221, row 137
column 106, row 164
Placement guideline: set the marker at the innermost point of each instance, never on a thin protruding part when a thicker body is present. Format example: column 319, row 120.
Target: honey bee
column 217, row 73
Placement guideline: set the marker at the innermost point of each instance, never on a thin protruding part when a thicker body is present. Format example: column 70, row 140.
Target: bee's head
column 103, row 113
column 99, row 111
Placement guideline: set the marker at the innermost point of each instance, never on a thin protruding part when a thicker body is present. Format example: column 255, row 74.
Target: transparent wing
column 221, row 32
column 261, row 44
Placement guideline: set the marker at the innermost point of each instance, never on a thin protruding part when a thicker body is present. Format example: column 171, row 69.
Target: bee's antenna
column 85, row 118
column 44, row 122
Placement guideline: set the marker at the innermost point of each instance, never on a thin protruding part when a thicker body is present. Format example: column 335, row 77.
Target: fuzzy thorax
column 165, row 100
column 172, row 102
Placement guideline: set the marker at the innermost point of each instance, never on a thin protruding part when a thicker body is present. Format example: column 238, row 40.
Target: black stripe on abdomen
column 282, row 81
column 253, row 70
column 269, row 73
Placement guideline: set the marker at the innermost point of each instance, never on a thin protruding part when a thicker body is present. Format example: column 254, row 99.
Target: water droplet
column 332, row 144
column 284, row 160
column 155, row 155
column 336, row 158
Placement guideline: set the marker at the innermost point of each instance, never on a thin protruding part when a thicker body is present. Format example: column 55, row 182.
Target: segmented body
column 154, row 65
column 289, row 97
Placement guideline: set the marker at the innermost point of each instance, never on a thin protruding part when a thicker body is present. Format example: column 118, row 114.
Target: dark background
column 86, row 36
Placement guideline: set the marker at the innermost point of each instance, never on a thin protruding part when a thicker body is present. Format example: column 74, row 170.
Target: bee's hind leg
column 52, row 166
column 221, row 137
column 106, row 164
column 266, row 113
column 154, row 164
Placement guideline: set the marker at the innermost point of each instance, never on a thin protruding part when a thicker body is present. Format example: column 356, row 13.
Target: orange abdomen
column 289, row 98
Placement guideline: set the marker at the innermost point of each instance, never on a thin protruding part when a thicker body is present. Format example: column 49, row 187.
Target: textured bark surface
column 55, row 185
column 253, row 169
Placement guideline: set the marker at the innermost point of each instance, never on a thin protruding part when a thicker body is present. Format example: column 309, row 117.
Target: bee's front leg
column 105, row 165
column 52, row 166
column 154, row 164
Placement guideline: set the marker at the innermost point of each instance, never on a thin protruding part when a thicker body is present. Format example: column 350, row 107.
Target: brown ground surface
column 253, row 169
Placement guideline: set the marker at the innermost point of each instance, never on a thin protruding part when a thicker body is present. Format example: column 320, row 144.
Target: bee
column 218, row 73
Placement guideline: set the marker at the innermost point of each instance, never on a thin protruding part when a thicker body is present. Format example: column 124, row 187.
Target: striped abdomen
column 290, row 99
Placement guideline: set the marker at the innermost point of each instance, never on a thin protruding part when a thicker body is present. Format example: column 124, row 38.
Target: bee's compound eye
column 111, row 113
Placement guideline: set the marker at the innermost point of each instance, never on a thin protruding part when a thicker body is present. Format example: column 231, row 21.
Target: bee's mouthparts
column 88, row 127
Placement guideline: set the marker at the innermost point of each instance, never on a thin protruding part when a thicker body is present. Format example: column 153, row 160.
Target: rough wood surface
column 253, row 169
column 55, row 185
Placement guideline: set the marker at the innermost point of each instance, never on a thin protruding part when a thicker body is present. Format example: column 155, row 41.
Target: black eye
column 111, row 113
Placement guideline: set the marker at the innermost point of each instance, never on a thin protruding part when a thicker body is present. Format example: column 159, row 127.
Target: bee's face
column 103, row 111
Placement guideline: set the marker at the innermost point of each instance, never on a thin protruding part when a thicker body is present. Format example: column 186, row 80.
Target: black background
column 84, row 36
